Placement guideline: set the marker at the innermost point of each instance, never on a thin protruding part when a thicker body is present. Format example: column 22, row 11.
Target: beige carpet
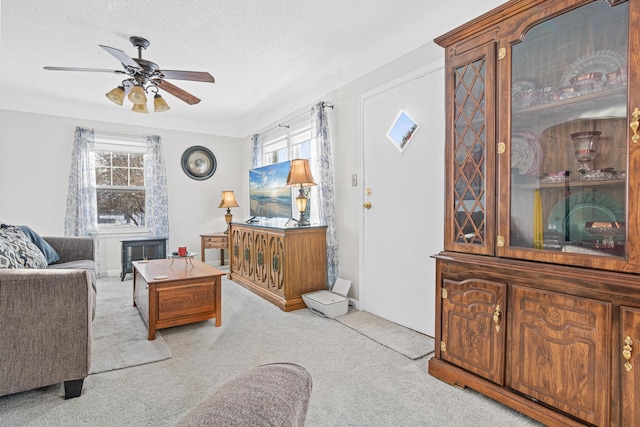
column 405, row 341
column 119, row 333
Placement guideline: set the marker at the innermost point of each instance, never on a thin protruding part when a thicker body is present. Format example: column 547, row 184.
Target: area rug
column 405, row 341
column 119, row 333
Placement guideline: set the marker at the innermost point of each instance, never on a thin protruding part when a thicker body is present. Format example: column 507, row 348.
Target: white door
column 404, row 225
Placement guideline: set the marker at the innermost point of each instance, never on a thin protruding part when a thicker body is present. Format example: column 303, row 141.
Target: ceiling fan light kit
column 145, row 77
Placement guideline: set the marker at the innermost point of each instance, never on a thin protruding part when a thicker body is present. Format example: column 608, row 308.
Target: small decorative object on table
column 188, row 256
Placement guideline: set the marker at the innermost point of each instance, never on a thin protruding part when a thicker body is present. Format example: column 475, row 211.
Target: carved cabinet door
column 276, row 267
column 236, row 250
column 260, row 254
column 247, row 269
column 473, row 326
column 558, row 349
column 630, row 365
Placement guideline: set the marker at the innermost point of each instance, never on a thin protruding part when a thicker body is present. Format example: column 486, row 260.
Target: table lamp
column 228, row 201
column 300, row 174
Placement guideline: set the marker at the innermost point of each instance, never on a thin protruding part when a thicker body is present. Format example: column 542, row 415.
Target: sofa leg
column 73, row 388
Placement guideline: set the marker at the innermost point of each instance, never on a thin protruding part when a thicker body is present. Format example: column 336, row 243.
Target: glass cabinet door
column 471, row 154
column 568, row 134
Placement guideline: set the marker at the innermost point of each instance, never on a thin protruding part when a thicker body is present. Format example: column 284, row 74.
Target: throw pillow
column 8, row 258
column 26, row 252
column 49, row 253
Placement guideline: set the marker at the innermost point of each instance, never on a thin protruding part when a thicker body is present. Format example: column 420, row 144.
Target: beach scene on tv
column 268, row 195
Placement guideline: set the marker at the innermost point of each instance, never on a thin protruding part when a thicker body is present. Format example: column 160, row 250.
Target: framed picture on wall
column 402, row 130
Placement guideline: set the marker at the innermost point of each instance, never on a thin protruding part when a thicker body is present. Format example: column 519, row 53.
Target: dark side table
column 138, row 249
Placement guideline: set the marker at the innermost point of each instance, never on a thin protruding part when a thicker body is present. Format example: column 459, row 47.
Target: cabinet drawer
column 185, row 301
column 216, row 242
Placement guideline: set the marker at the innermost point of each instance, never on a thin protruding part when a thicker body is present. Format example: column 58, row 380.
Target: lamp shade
column 228, row 200
column 300, row 174
column 140, row 108
column 116, row 95
column 159, row 104
column 137, row 95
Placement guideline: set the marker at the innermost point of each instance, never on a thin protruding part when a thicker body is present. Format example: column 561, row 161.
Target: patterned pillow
column 8, row 258
column 27, row 254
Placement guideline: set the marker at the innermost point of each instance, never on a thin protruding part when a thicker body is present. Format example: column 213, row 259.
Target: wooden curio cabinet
column 538, row 285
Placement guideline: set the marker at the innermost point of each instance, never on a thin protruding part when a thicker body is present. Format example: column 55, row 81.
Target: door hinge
column 443, row 346
column 445, row 294
column 502, row 147
column 502, row 53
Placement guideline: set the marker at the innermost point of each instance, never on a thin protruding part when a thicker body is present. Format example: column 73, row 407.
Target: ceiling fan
column 145, row 77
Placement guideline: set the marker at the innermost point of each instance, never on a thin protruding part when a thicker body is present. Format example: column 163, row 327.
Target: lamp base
column 228, row 218
column 303, row 221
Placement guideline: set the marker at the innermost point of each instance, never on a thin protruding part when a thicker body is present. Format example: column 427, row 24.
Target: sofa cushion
column 83, row 264
column 25, row 251
column 49, row 253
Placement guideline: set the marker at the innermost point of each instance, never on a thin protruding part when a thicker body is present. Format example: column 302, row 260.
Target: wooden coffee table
column 170, row 295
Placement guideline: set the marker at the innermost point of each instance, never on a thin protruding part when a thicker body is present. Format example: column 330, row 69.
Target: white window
column 120, row 182
column 287, row 143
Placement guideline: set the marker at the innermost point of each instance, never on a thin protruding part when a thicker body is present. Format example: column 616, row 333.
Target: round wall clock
column 199, row 162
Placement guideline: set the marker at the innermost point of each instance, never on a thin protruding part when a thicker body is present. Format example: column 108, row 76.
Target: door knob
column 367, row 205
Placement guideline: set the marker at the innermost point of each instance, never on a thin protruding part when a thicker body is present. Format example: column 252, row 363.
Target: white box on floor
column 331, row 303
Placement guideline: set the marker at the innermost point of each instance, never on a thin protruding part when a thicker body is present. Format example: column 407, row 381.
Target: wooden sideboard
column 279, row 263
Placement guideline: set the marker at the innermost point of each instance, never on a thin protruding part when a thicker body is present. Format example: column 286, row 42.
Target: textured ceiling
column 269, row 57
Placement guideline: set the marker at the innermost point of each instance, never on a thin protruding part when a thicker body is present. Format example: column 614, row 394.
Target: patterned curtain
column 157, row 204
column 322, row 195
column 256, row 151
column 81, row 216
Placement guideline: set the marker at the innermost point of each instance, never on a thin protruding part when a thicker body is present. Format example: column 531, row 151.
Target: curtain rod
column 281, row 125
column 119, row 135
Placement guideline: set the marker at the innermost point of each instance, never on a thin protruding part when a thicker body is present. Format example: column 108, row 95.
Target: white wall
column 35, row 156
column 345, row 129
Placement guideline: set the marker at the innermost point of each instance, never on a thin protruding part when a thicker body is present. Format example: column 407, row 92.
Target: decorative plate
column 199, row 162
column 571, row 214
column 526, row 153
column 600, row 61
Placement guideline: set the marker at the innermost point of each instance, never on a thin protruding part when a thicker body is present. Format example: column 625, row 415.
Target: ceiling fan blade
column 96, row 70
column 196, row 76
column 125, row 59
column 177, row 92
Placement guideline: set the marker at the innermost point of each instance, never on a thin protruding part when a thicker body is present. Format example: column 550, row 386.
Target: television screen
column 268, row 196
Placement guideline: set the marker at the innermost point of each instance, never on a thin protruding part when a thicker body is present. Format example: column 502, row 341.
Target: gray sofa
column 45, row 320
column 275, row 394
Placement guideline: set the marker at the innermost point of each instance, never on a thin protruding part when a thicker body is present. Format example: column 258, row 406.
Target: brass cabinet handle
column 634, row 125
column 496, row 317
column 366, row 205
column 626, row 352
